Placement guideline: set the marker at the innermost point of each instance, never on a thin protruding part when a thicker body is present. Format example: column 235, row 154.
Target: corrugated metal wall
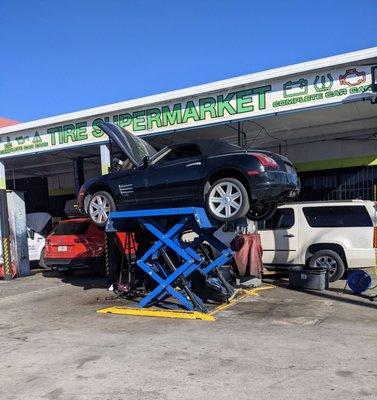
column 339, row 184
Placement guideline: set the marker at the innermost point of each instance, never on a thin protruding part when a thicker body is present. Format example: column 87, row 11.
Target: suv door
column 279, row 236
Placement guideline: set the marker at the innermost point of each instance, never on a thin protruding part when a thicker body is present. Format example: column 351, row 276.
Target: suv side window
column 284, row 218
column 337, row 216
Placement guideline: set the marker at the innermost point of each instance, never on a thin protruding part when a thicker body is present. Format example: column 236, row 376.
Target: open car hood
column 133, row 147
column 37, row 221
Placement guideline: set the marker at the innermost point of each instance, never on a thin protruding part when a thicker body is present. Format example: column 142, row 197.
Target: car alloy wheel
column 328, row 263
column 99, row 208
column 225, row 199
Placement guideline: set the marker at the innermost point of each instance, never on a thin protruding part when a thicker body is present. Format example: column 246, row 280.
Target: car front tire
column 330, row 260
column 227, row 200
column 99, row 207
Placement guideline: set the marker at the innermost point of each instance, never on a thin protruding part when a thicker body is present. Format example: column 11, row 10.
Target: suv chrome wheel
column 326, row 262
column 99, row 208
column 330, row 260
column 225, row 199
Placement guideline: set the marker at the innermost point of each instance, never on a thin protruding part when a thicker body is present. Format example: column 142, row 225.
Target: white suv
column 334, row 234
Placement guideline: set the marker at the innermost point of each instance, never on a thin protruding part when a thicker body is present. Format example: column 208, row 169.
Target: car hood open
column 37, row 221
column 135, row 148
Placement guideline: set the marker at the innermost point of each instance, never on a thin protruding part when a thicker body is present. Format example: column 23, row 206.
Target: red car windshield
column 71, row 228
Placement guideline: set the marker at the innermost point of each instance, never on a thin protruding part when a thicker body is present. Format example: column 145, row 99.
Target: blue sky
column 59, row 56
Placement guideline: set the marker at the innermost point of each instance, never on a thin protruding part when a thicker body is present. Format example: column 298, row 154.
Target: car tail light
column 265, row 160
column 375, row 237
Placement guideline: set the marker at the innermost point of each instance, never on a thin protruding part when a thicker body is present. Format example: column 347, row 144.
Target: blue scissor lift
column 169, row 261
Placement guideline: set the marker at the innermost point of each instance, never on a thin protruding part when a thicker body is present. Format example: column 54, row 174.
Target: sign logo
column 323, row 82
column 295, row 88
column 352, row 77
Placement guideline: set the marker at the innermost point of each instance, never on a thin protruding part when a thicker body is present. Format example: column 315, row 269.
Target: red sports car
column 78, row 243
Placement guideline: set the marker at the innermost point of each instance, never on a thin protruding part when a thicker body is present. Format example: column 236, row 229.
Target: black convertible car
column 228, row 181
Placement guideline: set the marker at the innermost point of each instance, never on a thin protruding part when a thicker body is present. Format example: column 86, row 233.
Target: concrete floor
column 281, row 345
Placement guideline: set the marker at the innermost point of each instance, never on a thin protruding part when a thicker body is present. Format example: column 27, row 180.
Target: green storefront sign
column 310, row 90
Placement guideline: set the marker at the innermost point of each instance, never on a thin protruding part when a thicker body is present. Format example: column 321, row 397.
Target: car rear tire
column 67, row 272
column 99, row 207
column 227, row 200
column 42, row 262
column 261, row 213
column 331, row 260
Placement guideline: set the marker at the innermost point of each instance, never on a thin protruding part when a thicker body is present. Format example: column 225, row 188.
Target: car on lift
column 229, row 181
column 79, row 244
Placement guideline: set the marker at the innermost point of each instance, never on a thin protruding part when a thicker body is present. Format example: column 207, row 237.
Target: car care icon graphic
column 295, row 88
column 352, row 77
column 323, row 82
column 9, row 143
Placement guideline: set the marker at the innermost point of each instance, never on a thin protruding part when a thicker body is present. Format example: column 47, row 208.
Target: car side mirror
column 30, row 233
column 146, row 161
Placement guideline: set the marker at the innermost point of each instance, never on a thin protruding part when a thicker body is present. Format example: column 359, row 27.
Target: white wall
column 65, row 184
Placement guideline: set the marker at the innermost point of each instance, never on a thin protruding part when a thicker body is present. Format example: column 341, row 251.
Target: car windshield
column 138, row 147
column 135, row 148
column 160, row 155
column 176, row 153
column 71, row 228
column 200, row 147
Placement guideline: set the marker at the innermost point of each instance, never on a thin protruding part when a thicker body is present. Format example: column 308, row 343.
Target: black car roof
column 212, row 147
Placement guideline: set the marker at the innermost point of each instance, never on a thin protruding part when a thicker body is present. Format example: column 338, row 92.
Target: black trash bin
column 309, row 278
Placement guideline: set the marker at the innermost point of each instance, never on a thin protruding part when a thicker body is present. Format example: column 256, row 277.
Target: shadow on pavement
column 85, row 278
column 335, row 294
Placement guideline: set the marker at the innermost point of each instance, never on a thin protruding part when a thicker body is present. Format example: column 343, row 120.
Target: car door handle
column 193, row 164
column 289, row 235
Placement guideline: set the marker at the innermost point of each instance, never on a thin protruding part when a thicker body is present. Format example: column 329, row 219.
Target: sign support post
column 78, row 172
column 105, row 159
column 4, row 226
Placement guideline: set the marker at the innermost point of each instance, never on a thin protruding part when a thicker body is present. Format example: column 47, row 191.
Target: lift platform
column 169, row 261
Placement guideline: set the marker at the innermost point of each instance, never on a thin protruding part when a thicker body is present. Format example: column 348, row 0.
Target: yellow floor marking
column 147, row 312
column 181, row 314
column 242, row 294
column 258, row 289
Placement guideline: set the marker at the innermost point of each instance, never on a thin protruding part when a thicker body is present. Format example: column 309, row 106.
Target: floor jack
column 168, row 262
